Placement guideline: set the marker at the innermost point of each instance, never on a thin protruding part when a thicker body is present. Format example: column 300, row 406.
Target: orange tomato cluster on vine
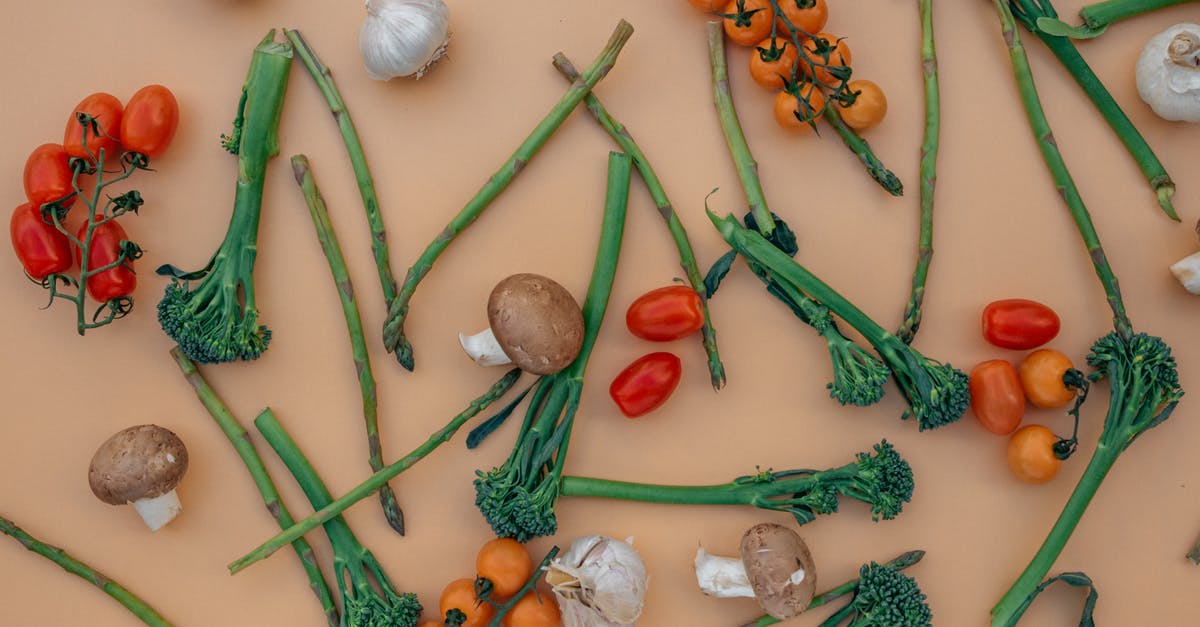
column 503, row 566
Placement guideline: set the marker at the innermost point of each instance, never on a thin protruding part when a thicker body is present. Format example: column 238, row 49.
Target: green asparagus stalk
column 358, row 342
column 859, row 146
column 366, row 183
column 929, row 149
column 393, row 330
column 89, row 574
column 1029, row 12
column 262, row 480
column 687, row 258
column 1098, row 17
column 377, row 480
column 743, row 160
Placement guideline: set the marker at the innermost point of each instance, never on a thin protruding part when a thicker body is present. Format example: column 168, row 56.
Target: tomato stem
column 687, row 257
column 358, row 343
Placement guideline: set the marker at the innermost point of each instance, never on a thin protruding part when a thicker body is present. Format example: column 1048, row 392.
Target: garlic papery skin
column 1187, row 271
column 599, row 582
column 403, row 37
column 722, row 577
column 1168, row 73
column 483, row 348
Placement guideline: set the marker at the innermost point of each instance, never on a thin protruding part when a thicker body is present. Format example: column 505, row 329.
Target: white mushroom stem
column 483, row 348
column 726, row 578
column 158, row 511
column 1187, row 270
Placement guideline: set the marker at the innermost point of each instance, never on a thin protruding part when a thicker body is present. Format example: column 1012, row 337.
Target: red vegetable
column 42, row 249
column 1019, row 324
column 665, row 314
column 107, row 111
column 48, row 175
column 646, row 384
column 997, row 398
column 149, row 121
column 106, row 248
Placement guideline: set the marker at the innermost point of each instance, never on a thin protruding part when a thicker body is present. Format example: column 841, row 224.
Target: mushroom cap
column 537, row 323
column 780, row 569
column 136, row 463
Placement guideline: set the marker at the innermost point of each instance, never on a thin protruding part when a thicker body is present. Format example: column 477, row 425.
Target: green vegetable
column 85, row 572
column 859, row 146
column 881, row 479
column 358, row 342
column 884, row 596
column 1141, row 371
column 258, row 471
column 369, row 598
column 517, row 499
column 937, row 393
column 217, row 319
column 1098, row 17
column 393, row 330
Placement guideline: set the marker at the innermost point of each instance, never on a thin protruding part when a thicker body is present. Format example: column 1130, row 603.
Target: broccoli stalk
column 369, row 598
column 1141, row 371
column 937, row 393
column 881, row 479
column 217, row 319
column 517, row 498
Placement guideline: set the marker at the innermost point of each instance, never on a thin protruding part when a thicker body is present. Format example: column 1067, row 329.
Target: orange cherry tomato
column 1031, row 454
column 709, row 6
column 534, row 610
column 807, row 15
column 107, row 110
column 41, row 248
column 105, row 249
column 868, row 108
column 665, row 314
column 996, row 396
column 149, row 122
column 1042, row 377
column 1019, row 323
column 48, row 175
column 751, row 22
column 797, row 117
column 460, row 594
column 772, row 61
column 646, row 384
column 505, row 563
column 824, row 51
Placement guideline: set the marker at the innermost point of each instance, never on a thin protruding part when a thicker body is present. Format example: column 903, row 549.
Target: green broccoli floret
column 886, row 597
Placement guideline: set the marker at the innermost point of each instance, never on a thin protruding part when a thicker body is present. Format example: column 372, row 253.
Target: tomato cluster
column 806, row 67
column 503, row 566
column 660, row 315
column 99, row 132
column 1044, row 379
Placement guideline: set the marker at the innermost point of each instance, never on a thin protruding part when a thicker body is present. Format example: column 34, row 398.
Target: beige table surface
column 1001, row 232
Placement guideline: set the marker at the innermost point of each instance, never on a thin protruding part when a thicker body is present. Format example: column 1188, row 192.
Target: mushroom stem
column 158, row 511
column 722, row 577
column 1187, row 271
column 483, row 348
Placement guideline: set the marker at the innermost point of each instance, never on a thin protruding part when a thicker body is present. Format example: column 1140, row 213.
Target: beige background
column 1001, row 232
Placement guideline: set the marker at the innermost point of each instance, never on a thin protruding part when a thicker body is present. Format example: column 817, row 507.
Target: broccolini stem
column 113, row 589
column 1058, row 169
column 859, row 146
column 1100, row 15
column 687, row 258
column 1008, row 610
column 929, row 150
column 1028, row 11
column 366, row 183
column 393, row 330
column 747, row 492
column 377, row 480
column 743, row 160
column 262, row 480
column 358, row 343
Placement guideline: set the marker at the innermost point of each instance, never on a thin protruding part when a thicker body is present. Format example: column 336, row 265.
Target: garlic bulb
column 1168, row 73
column 599, row 582
column 403, row 37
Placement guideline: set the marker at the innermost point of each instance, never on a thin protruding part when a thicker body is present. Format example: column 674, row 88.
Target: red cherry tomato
column 997, row 398
column 646, row 384
column 41, row 248
column 149, row 121
column 1019, row 324
column 48, row 175
column 665, row 314
column 107, row 111
column 106, row 248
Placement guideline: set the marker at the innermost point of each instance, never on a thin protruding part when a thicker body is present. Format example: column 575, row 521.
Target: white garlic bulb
column 1168, row 73
column 599, row 582
column 403, row 37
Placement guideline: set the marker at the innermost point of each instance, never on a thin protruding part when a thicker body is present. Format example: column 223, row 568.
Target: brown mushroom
column 776, row 569
column 534, row 323
column 141, row 465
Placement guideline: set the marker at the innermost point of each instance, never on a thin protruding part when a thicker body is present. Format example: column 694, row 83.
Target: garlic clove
column 403, row 37
column 1187, row 272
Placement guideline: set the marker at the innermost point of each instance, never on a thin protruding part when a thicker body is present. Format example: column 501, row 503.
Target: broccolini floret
column 885, row 597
